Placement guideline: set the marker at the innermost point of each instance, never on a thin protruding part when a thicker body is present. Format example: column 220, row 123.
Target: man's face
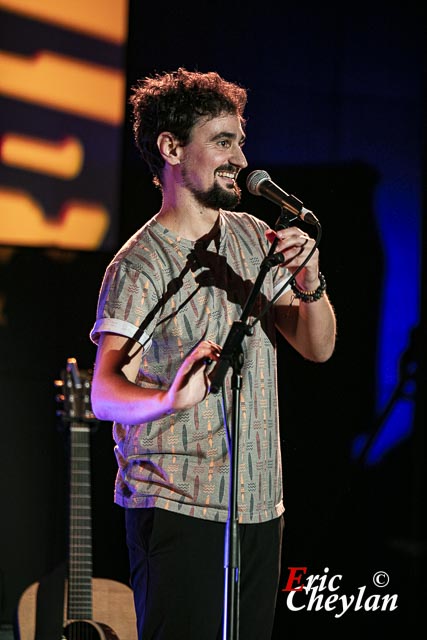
column 212, row 160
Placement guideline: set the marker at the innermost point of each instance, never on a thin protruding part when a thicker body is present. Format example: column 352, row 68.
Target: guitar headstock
column 73, row 395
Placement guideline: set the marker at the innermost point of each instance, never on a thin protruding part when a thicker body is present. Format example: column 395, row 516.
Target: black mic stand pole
column 232, row 356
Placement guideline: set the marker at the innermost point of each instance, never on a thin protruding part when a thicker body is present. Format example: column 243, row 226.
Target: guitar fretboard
column 80, row 542
column 79, row 601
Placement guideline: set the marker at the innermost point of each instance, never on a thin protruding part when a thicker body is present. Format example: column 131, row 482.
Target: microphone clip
column 285, row 219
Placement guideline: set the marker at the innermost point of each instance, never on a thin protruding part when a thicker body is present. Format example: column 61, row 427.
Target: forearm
column 115, row 398
column 315, row 329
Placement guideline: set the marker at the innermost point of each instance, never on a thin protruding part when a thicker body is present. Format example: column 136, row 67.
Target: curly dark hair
column 175, row 101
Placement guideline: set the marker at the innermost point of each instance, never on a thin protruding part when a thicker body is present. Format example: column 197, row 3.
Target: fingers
column 204, row 354
column 292, row 236
column 191, row 383
column 207, row 351
column 295, row 245
column 214, row 353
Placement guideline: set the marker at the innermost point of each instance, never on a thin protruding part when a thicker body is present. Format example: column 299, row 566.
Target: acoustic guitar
column 90, row 608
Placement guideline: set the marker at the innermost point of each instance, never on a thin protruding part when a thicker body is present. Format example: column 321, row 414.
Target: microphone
column 259, row 183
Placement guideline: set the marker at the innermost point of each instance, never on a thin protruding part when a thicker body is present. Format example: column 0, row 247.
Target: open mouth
column 229, row 176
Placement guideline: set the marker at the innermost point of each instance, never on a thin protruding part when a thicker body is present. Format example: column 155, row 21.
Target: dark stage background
column 343, row 514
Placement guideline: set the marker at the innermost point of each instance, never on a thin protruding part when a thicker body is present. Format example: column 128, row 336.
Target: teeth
column 232, row 176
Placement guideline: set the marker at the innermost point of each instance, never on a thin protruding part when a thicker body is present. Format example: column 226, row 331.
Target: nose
column 239, row 158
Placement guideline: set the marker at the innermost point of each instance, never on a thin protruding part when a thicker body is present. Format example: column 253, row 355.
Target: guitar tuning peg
column 73, row 370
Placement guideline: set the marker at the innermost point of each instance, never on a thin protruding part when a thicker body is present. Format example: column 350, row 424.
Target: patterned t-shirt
column 169, row 293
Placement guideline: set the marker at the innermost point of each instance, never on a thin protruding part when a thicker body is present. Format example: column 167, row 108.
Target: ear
column 169, row 147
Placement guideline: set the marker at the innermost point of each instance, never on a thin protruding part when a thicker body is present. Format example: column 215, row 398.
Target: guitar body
column 87, row 630
column 112, row 603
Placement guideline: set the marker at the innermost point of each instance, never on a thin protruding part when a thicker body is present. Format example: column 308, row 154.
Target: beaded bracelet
column 309, row 296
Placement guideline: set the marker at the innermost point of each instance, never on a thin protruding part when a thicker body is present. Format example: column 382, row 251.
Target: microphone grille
column 254, row 179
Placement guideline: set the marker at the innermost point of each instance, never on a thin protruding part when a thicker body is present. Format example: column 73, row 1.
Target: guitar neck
column 79, row 598
column 80, row 531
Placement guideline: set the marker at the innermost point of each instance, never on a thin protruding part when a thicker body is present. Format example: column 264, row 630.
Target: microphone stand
column 232, row 356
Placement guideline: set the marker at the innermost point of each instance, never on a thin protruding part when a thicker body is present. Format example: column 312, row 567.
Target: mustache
column 229, row 168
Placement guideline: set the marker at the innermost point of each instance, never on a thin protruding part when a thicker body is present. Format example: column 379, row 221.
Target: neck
column 188, row 220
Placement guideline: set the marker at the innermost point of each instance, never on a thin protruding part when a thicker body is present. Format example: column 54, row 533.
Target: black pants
column 177, row 575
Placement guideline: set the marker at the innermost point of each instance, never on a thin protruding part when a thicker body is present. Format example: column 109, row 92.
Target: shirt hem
column 199, row 511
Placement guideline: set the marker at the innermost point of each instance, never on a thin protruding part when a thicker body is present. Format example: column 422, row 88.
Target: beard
column 216, row 197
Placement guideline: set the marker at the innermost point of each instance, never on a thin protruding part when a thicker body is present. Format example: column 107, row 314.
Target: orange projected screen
column 62, row 105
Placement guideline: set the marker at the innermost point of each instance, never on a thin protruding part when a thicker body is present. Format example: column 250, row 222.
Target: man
column 167, row 302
